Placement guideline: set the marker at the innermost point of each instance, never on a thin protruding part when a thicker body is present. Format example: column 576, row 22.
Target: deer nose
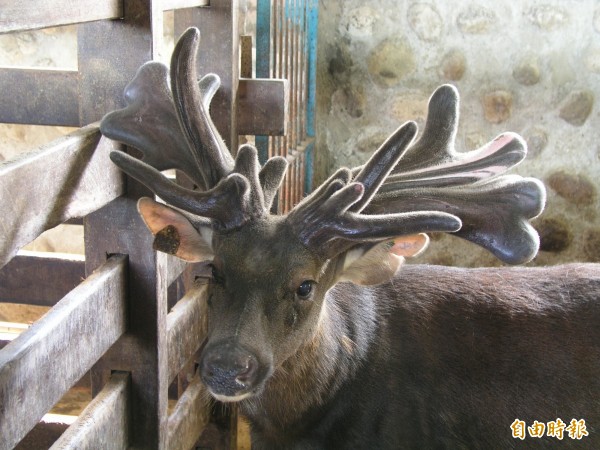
column 229, row 370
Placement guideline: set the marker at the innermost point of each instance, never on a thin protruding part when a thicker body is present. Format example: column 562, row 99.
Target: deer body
column 313, row 328
column 441, row 358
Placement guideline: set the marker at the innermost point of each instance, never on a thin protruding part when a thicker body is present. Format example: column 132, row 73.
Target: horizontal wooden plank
column 39, row 97
column 42, row 363
column 263, row 106
column 67, row 178
column 104, row 423
column 186, row 328
column 180, row 4
column 16, row 15
column 189, row 417
column 40, row 278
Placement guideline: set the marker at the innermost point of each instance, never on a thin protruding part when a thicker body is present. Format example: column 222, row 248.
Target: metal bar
column 312, row 25
column 48, row 348
column 263, row 62
column 263, row 38
column 308, row 165
column 245, row 57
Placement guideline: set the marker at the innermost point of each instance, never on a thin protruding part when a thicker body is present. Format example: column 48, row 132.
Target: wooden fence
column 135, row 323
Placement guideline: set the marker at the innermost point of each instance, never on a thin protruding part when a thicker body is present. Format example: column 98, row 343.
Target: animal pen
column 125, row 321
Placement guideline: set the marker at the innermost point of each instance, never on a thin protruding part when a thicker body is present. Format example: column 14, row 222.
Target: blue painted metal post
column 311, row 22
column 303, row 13
column 263, row 62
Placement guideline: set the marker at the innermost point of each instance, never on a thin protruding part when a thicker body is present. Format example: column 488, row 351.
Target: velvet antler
column 329, row 221
column 404, row 188
column 168, row 119
column 429, row 186
column 495, row 209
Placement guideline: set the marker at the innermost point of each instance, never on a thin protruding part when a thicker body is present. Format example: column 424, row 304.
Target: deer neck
column 313, row 376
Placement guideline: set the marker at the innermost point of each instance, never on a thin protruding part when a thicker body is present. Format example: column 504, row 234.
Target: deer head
column 271, row 273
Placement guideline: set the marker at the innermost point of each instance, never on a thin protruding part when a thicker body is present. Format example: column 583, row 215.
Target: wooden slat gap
column 62, row 346
column 104, row 423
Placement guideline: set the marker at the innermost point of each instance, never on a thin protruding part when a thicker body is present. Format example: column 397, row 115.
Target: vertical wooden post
column 110, row 53
column 219, row 53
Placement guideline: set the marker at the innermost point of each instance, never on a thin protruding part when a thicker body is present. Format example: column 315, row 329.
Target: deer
column 319, row 332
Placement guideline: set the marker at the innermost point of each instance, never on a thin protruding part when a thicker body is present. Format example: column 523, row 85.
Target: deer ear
column 376, row 264
column 174, row 233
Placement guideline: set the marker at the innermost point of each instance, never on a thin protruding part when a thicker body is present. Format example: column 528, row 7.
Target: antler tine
column 247, row 164
column 339, row 179
column 226, row 203
column 495, row 214
column 271, row 176
column 330, row 222
column 433, row 160
column 150, row 124
column 379, row 166
column 329, row 227
column 209, row 151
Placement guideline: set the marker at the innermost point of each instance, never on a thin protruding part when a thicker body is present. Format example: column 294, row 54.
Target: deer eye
column 305, row 289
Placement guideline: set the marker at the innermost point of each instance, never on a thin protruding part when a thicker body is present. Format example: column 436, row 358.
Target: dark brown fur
column 442, row 358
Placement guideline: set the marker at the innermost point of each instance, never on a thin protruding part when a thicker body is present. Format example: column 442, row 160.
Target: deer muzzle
column 230, row 372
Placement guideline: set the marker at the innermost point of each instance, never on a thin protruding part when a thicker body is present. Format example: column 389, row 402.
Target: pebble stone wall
column 532, row 67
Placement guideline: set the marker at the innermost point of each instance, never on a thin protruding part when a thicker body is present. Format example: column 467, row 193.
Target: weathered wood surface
column 39, row 97
column 40, row 365
column 104, row 423
column 67, row 178
column 174, row 268
column 17, row 15
column 219, row 53
column 189, row 417
column 40, row 278
column 110, row 53
column 179, row 4
column 186, row 328
column 263, row 107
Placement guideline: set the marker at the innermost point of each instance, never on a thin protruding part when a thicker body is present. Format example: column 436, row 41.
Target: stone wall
column 532, row 67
